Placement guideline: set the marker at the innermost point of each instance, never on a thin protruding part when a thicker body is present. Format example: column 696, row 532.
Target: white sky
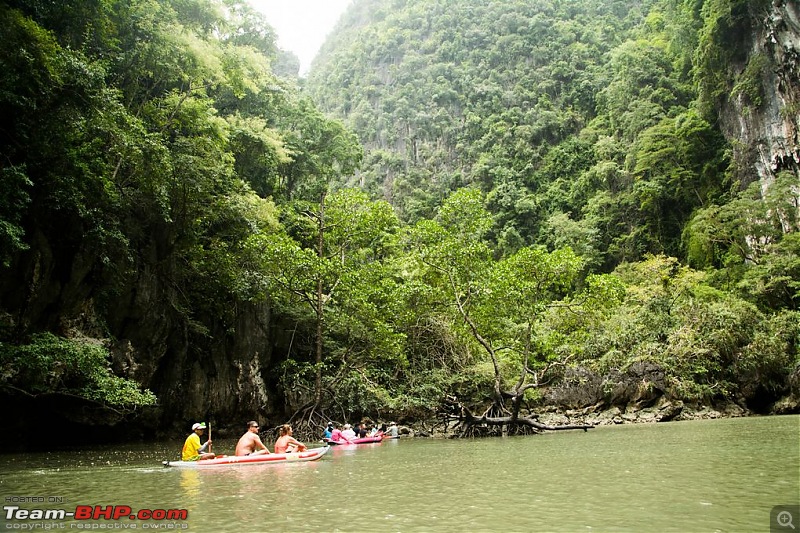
column 302, row 25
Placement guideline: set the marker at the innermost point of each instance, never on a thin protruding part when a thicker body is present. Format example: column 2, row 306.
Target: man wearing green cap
column 192, row 450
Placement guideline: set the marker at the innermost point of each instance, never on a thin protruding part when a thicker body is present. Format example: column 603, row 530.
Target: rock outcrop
column 764, row 130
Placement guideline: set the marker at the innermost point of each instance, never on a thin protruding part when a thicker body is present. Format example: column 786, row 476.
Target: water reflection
column 190, row 483
column 339, row 450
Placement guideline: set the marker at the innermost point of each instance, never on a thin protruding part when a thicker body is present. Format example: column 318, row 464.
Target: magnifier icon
column 785, row 519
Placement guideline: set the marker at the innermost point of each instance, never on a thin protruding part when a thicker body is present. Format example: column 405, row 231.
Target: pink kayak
column 363, row 440
column 269, row 458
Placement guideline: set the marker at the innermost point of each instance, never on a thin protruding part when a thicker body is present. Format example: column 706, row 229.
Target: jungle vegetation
column 464, row 199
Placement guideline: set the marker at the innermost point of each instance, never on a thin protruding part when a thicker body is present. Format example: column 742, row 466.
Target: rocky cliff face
column 199, row 371
column 764, row 130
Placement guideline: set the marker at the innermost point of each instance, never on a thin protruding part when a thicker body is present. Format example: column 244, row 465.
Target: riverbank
column 642, row 393
column 663, row 411
column 645, row 393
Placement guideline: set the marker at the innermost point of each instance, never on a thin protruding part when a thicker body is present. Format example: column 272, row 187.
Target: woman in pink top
column 336, row 435
column 288, row 444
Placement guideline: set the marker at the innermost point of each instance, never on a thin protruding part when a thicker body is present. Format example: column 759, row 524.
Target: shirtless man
column 250, row 443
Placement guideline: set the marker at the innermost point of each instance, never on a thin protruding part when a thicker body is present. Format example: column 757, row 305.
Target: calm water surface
column 712, row 475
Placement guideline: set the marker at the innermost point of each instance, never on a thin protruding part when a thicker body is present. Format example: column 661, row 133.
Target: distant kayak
column 268, row 458
column 363, row 440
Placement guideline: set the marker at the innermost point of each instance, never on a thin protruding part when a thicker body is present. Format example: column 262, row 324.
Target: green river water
column 709, row 475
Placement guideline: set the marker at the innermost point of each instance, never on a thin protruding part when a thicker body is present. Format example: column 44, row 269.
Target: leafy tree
column 332, row 269
column 165, row 147
column 50, row 365
column 678, row 166
column 753, row 238
column 709, row 344
column 498, row 302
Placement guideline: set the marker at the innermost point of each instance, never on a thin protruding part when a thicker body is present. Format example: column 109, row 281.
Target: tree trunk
column 498, row 393
column 320, row 307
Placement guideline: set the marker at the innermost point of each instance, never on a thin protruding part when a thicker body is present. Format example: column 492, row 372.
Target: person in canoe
column 288, row 444
column 192, row 449
column 336, row 434
column 328, row 432
column 250, row 443
column 348, row 434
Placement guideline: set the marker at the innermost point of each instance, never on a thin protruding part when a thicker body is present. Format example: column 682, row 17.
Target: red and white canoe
column 268, row 458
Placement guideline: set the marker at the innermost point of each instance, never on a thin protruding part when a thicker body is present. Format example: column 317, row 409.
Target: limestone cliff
column 200, row 369
column 762, row 114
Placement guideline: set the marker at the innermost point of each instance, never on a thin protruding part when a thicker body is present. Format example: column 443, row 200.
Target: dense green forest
column 490, row 205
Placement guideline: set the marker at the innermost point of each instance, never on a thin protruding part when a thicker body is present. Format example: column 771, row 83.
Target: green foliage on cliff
column 147, row 141
column 549, row 108
column 508, row 189
column 50, row 365
column 589, row 124
column 710, row 343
